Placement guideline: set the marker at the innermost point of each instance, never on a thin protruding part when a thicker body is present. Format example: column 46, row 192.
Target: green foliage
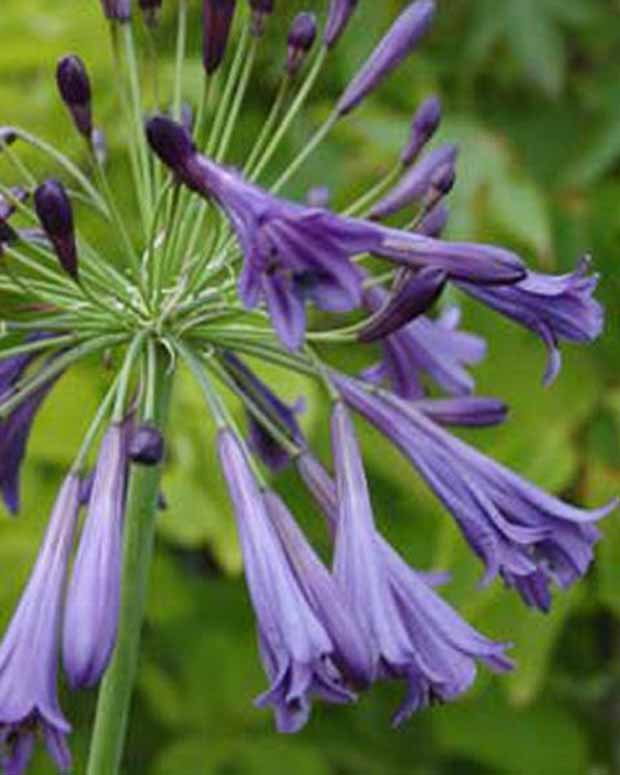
column 531, row 94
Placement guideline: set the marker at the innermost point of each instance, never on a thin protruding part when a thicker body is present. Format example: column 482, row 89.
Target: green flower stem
column 116, row 689
column 268, row 126
column 180, row 57
column 38, row 346
column 235, row 109
column 375, row 192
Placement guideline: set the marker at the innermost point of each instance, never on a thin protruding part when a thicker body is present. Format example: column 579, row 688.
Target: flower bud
column 146, row 446
column 151, row 11
column 118, row 10
column 74, row 88
column 301, row 38
column 434, row 222
column 340, row 12
column 424, row 125
column 171, row 142
column 260, row 10
column 217, row 16
column 400, row 40
column 441, row 183
column 7, row 136
column 56, row 216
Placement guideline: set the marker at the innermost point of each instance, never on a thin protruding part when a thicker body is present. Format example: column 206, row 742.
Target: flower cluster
column 215, row 267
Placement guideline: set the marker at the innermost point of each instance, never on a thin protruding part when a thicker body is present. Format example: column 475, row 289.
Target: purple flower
column 56, row 216
column 93, row 595
column 400, row 40
column 434, row 222
column 270, row 451
column 304, row 631
column 74, row 88
column 532, row 539
column 555, row 307
column 340, row 12
column 414, row 295
column 435, row 348
column 301, row 37
column 119, row 10
column 217, row 18
column 416, row 182
column 29, row 651
column 424, row 125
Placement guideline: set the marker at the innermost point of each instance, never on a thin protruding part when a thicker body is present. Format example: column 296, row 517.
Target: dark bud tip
column 301, row 38
column 117, row 10
column 151, row 10
column 7, row 136
column 170, row 141
column 340, row 12
column 147, row 446
column 260, row 10
column 217, row 18
column 74, row 88
column 55, row 214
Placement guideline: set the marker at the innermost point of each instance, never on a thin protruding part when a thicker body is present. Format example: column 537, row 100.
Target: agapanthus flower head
column 206, row 262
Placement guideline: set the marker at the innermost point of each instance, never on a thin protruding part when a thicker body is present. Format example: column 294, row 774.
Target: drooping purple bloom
column 417, row 637
column 425, row 347
column 29, row 652
column 530, row 538
column 299, row 653
column 556, row 307
column 400, row 40
column 415, row 294
column 263, row 443
column 294, row 253
column 416, row 182
column 117, row 10
column 424, row 125
column 217, row 16
column 56, row 217
column 301, row 37
column 146, row 445
column 340, row 12
column 93, row 595
column 74, row 87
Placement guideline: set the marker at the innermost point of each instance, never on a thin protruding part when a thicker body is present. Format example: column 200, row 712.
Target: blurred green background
column 531, row 90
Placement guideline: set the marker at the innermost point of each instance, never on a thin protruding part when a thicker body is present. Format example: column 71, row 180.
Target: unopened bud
column 147, row 446
column 56, row 216
column 301, row 38
column 74, row 88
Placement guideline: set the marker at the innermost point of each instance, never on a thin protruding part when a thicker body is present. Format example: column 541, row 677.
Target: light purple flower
column 400, row 40
column 29, row 651
column 530, row 538
column 340, row 12
column 301, row 629
column 270, row 451
column 434, row 349
column 424, row 125
column 416, row 182
column 93, row 595
column 559, row 307
column 217, row 16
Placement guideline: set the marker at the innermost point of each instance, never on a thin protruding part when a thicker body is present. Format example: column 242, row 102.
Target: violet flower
column 117, row 10
column 556, row 308
column 417, row 637
column 74, row 87
column 263, row 443
column 424, row 125
column 301, row 37
column 416, row 182
column 217, row 17
column 400, row 40
column 425, row 348
column 29, row 651
column 299, row 653
column 530, row 538
column 93, row 595
column 56, row 217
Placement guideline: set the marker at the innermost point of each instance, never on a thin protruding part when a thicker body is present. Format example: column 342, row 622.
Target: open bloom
column 29, row 651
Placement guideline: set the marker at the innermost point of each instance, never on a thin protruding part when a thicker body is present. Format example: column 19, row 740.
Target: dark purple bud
column 100, row 146
column 301, row 38
column 56, row 216
column 400, row 40
column 7, row 136
column 260, row 10
column 340, row 12
column 146, row 446
column 74, row 88
column 171, row 142
column 151, row 11
column 434, row 222
column 416, row 182
column 423, row 127
column 119, row 10
column 416, row 294
column 217, row 20
column 442, row 182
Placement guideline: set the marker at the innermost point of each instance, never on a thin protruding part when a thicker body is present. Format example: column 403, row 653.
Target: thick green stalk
column 116, row 689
